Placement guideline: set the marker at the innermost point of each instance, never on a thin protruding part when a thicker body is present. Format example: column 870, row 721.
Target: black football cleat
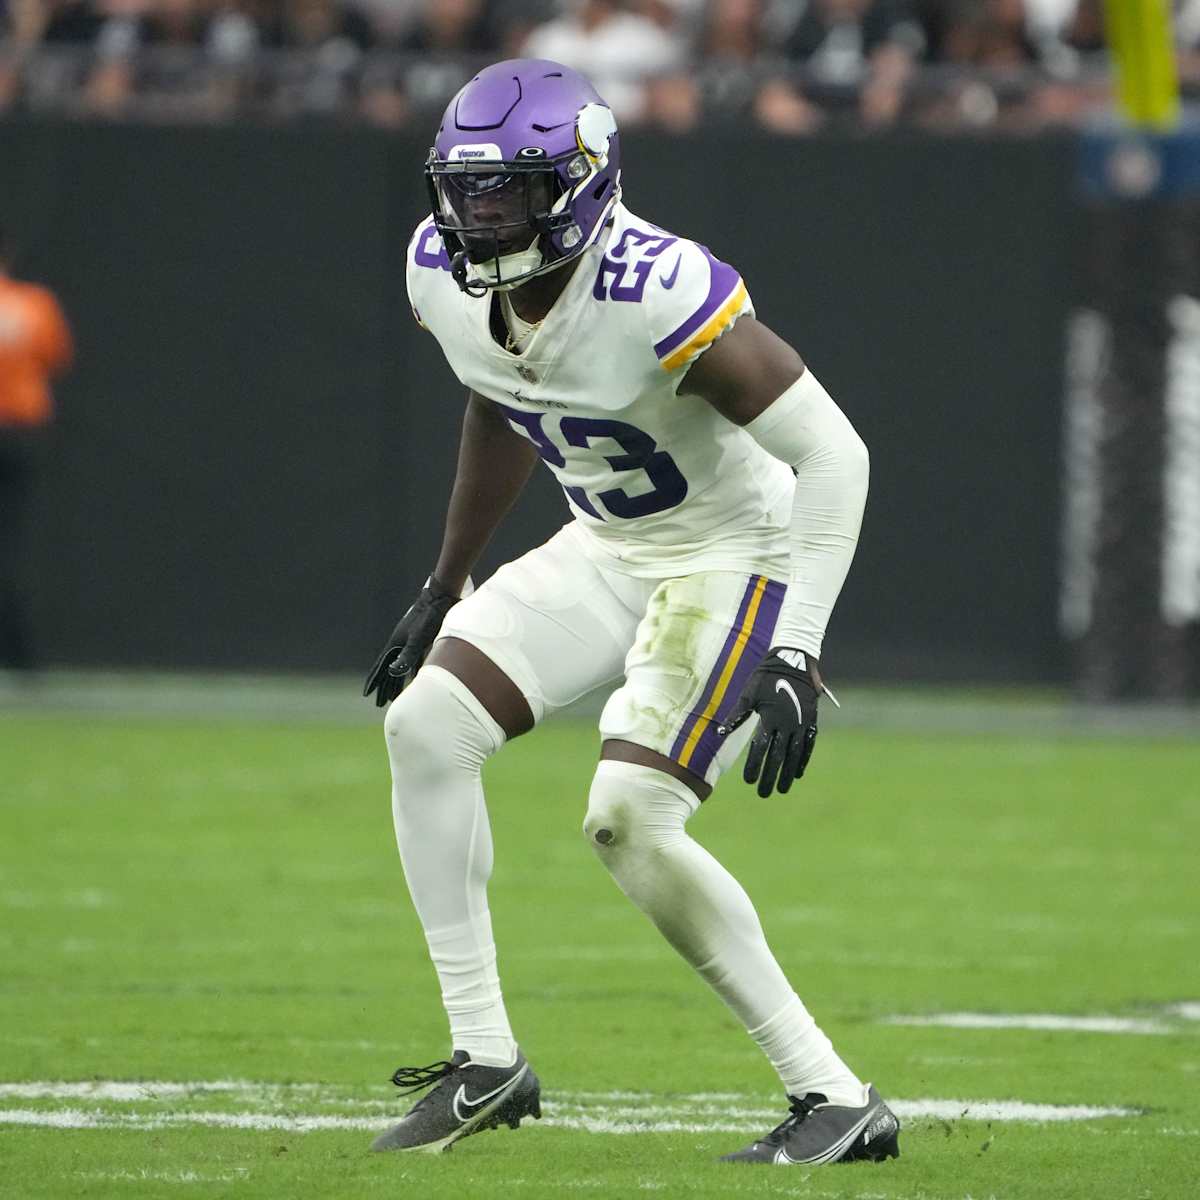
column 469, row 1097
column 820, row 1132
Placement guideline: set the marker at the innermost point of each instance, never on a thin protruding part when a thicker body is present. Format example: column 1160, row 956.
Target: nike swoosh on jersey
column 461, row 1101
column 668, row 281
column 782, row 685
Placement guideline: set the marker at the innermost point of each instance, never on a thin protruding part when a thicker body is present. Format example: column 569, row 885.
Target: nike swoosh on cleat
column 461, row 1101
column 668, row 281
column 833, row 1152
column 781, row 685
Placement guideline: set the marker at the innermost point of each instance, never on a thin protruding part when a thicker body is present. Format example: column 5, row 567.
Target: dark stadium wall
column 254, row 450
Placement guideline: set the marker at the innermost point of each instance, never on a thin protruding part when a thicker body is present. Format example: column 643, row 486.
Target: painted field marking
column 1044, row 1021
column 145, row 1175
column 77, row 1118
column 158, row 1104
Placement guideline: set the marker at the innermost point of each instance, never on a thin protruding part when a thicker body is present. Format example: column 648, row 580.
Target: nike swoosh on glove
column 783, row 690
column 410, row 642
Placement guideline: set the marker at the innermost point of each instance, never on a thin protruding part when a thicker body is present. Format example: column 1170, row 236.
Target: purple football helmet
column 524, row 173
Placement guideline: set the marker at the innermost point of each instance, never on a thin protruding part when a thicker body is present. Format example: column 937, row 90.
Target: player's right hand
column 783, row 691
column 409, row 644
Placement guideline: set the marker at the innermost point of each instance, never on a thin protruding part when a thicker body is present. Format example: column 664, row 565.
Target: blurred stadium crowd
column 791, row 66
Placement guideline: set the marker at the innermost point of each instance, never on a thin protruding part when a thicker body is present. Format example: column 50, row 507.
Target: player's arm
column 494, row 464
column 756, row 380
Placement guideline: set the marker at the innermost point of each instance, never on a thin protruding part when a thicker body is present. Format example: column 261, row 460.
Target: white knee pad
column 635, row 808
column 437, row 726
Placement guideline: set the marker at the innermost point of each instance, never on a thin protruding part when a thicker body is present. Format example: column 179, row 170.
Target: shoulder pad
column 703, row 300
column 426, row 260
column 687, row 297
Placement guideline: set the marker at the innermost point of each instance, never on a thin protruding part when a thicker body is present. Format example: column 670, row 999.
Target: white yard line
column 992, row 1110
column 92, row 1107
column 1005, row 1110
column 147, row 1176
column 109, row 1089
column 86, row 898
column 77, row 1118
column 1044, row 1021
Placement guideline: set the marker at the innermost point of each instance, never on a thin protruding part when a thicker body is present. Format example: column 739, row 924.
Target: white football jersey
column 662, row 484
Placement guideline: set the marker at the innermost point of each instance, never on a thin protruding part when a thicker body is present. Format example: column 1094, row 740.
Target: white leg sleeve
column 438, row 736
column 635, row 823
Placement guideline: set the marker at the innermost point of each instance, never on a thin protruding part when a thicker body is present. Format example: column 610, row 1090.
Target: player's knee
column 607, row 820
column 435, row 726
column 634, row 806
column 408, row 737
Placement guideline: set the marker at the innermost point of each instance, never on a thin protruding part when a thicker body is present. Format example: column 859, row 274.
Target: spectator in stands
column 788, row 64
column 323, row 80
column 215, row 39
column 990, row 39
column 857, row 53
column 1187, row 38
column 619, row 50
column 990, row 33
column 317, row 25
column 515, row 20
column 1075, row 54
column 448, row 42
column 35, row 345
column 451, row 27
column 22, row 29
column 390, row 19
column 73, row 22
column 730, row 50
column 31, row 24
column 1084, row 29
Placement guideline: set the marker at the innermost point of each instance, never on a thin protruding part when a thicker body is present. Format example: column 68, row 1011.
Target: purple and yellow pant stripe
column 749, row 639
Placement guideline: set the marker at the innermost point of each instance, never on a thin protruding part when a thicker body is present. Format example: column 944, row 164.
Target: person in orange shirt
column 35, row 345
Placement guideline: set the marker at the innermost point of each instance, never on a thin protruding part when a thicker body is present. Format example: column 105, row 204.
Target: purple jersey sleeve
column 691, row 299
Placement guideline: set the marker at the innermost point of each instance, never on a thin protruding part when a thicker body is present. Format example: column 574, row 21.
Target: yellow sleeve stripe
column 709, row 332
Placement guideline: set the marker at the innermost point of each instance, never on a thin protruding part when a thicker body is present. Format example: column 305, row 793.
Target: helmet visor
column 493, row 208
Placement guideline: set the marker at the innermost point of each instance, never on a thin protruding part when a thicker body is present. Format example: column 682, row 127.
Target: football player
column 715, row 492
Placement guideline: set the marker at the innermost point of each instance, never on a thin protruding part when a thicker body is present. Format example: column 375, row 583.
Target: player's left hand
column 783, row 691
column 410, row 642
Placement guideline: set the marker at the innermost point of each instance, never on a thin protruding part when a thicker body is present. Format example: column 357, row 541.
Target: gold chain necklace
column 514, row 341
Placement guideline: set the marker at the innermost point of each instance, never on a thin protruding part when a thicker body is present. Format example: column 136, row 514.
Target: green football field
column 209, row 966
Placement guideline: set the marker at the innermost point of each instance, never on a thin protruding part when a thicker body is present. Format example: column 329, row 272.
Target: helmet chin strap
column 514, row 268
column 500, row 274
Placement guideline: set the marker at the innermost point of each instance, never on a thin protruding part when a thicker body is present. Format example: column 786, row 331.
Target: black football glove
column 409, row 644
column 783, row 691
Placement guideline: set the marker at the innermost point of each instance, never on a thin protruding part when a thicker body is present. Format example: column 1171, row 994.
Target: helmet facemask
column 504, row 222
column 495, row 219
